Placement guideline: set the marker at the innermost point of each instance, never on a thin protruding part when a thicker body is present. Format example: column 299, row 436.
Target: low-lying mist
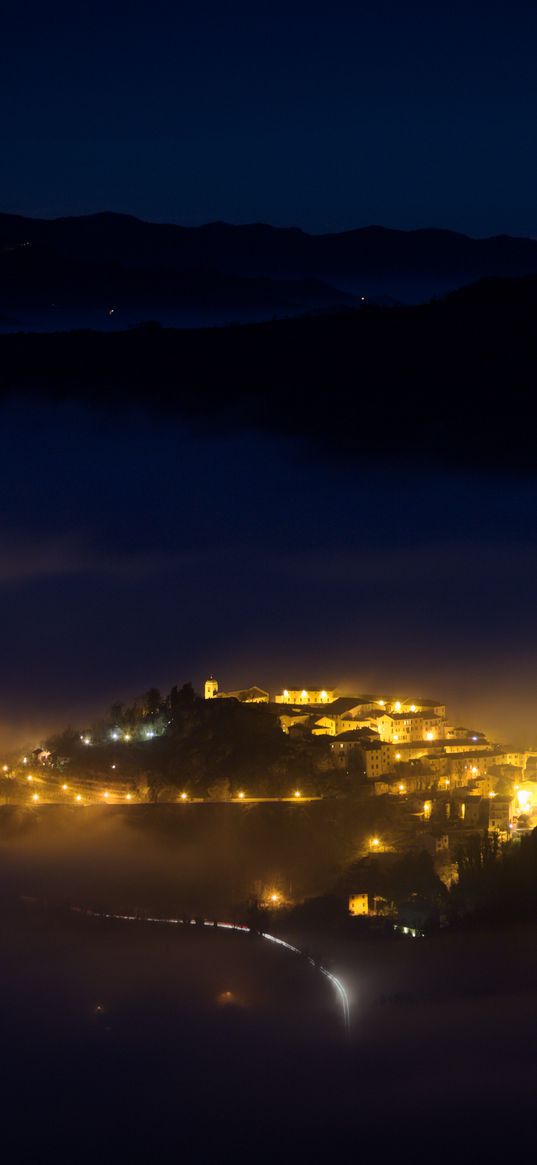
column 207, row 859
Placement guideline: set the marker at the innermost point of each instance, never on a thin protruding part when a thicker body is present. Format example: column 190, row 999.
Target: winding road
column 240, row 928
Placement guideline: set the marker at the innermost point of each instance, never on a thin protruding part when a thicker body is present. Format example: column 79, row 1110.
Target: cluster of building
column 380, row 736
column 406, row 747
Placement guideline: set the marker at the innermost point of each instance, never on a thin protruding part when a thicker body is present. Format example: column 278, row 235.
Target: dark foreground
column 130, row 1041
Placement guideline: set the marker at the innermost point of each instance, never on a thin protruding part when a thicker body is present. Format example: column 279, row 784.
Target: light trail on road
column 243, row 929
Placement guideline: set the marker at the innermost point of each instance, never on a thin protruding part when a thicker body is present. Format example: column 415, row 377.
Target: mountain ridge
column 373, row 246
column 375, row 262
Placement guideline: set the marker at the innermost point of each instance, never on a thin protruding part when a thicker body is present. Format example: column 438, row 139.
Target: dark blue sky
column 133, row 553
column 324, row 116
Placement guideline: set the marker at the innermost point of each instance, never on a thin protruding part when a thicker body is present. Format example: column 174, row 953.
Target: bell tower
column 211, row 688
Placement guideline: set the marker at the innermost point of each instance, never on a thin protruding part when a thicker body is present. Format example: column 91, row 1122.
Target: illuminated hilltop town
column 428, row 783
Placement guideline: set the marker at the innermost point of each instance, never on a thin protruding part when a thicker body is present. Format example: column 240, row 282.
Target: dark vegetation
column 213, row 748
column 449, row 382
column 496, row 881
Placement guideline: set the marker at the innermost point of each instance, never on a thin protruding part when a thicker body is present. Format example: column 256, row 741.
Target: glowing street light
column 128, row 797
column 106, row 795
column 184, row 796
column 35, row 796
column 297, row 793
column 240, row 796
column 375, row 842
column 78, row 797
column 29, row 777
column 65, row 788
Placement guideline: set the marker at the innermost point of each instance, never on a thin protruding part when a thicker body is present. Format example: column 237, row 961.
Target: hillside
column 42, row 289
column 449, row 382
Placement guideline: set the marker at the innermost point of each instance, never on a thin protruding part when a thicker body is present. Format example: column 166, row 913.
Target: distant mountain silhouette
column 411, row 265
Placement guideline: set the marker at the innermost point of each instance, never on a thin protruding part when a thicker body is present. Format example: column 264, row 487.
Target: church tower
column 211, row 688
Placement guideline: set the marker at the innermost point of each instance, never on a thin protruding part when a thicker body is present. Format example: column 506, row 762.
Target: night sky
column 325, row 116
column 137, row 553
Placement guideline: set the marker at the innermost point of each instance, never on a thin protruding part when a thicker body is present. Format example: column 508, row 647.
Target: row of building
column 393, row 741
